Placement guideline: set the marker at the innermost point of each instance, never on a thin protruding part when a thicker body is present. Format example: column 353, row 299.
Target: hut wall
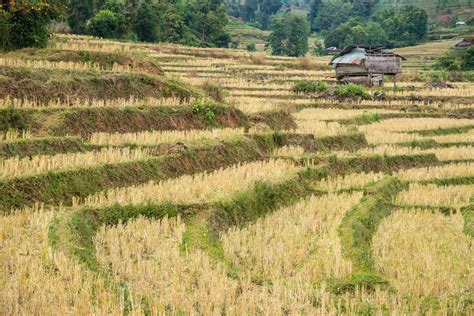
column 384, row 65
column 350, row 70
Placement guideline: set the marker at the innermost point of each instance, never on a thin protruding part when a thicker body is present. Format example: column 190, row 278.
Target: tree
column 207, row 19
column 147, row 23
column 467, row 59
column 104, row 24
column 363, row 8
column 118, row 8
column 405, row 27
column 80, row 11
column 331, row 14
column 289, row 35
column 260, row 11
column 171, row 23
column 356, row 31
column 314, row 11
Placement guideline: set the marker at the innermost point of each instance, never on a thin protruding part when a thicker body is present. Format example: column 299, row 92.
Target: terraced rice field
column 128, row 191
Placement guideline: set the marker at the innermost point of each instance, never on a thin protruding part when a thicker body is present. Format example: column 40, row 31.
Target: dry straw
column 198, row 188
column 427, row 248
column 439, row 172
column 354, row 180
column 163, row 137
column 17, row 167
column 433, row 195
column 8, row 102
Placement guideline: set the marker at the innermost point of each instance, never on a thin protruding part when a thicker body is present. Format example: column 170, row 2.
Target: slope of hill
column 132, row 201
column 464, row 9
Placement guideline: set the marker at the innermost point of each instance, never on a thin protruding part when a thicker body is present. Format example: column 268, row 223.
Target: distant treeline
column 190, row 22
column 342, row 22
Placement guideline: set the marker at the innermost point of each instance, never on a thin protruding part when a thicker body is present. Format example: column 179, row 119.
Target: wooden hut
column 367, row 65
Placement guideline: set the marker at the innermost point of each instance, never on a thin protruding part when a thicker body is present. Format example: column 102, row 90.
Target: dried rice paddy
column 270, row 203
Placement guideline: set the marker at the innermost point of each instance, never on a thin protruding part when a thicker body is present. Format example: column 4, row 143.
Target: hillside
column 158, row 179
column 464, row 9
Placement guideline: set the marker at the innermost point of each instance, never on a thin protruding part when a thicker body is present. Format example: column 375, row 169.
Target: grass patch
column 105, row 60
column 356, row 231
column 444, row 131
column 54, row 188
column 59, row 84
column 85, row 121
column 43, row 146
column 309, row 87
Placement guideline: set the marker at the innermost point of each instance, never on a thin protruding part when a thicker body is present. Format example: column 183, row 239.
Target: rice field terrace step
column 85, row 121
column 27, row 147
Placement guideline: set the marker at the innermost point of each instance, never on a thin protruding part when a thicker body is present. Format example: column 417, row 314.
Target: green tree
column 363, row 8
column 260, row 11
column 171, row 23
column 375, row 34
column 289, row 35
column 207, row 19
column 80, row 11
column 316, row 6
column 104, row 24
column 356, row 31
column 467, row 59
column 331, row 14
column 147, row 23
column 118, row 8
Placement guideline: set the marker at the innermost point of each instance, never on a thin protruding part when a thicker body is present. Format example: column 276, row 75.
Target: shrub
column 207, row 108
column 30, row 22
column 251, row 47
column 104, row 24
column 214, row 91
column 4, row 30
column 352, row 91
column 147, row 23
column 306, row 86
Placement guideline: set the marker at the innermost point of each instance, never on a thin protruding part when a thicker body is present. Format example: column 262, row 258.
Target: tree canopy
column 289, row 35
column 191, row 22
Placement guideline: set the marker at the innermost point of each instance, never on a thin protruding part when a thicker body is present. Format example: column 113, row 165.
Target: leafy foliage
column 105, row 24
column 258, row 12
column 461, row 60
column 146, row 23
column 352, row 91
column 30, row 21
column 289, row 36
column 305, row 86
column 198, row 23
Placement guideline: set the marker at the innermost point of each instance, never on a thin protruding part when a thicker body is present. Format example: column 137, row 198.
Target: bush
column 214, row 91
column 207, row 108
column 306, row 86
column 5, row 27
column 104, row 24
column 352, row 91
column 147, row 23
column 30, row 23
column 251, row 47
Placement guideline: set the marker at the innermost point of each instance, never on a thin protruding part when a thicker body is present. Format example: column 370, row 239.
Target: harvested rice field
column 173, row 180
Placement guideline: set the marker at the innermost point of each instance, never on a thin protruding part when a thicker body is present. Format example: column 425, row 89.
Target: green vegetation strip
column 85, row 121
column 356, row 231
column 27, row 147
column 73, row 231
column 58, row 84
column 445, row 131
column 468, row 214
column 58, row 187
